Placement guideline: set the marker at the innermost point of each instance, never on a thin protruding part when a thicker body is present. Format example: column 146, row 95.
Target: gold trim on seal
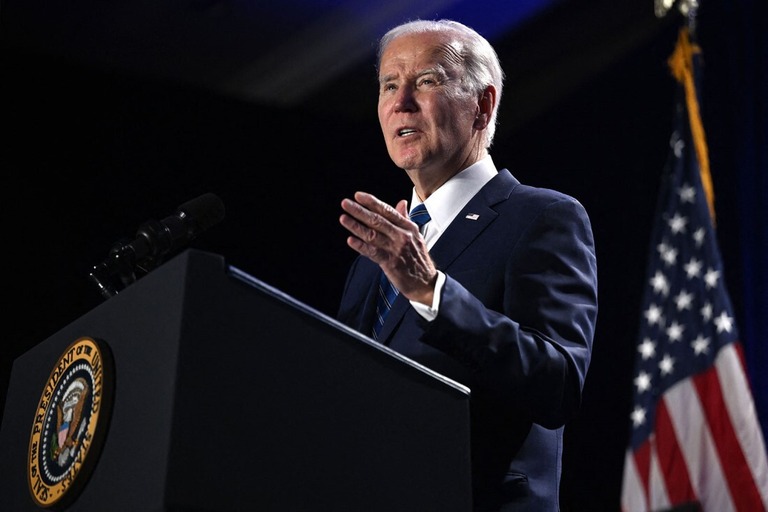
column 65, row 424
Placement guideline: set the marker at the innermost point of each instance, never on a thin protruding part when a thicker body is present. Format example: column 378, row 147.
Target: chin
column 406, row 160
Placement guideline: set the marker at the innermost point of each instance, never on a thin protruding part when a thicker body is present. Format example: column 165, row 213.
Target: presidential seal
column 70, row 423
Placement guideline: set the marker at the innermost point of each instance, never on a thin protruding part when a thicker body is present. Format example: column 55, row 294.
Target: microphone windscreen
column 204, row 211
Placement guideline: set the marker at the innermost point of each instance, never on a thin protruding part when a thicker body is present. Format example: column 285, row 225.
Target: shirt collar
column 445, row 203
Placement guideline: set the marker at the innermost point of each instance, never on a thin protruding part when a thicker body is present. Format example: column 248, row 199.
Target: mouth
column 405, row 132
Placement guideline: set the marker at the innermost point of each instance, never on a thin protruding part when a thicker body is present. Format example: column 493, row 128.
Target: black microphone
column 156, row 239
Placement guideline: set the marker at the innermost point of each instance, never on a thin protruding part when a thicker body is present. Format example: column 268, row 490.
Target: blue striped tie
column 387, row 292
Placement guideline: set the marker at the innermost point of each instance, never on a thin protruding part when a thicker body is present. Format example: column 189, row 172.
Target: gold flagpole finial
column 686, row 7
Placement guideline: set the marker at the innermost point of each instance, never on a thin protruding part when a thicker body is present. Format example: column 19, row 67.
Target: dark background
column 116, row 114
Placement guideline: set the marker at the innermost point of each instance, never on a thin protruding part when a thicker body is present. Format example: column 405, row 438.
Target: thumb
column 402, row 208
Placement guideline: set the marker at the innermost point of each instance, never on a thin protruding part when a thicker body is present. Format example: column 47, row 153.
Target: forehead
column 420, row 50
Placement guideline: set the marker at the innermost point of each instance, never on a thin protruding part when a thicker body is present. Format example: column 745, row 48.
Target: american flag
column 695, row 441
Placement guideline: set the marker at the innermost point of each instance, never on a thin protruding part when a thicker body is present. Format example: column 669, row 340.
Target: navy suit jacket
column 515, row 324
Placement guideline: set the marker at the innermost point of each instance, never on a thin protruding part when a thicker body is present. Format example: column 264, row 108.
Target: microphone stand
column 151, row 243
column 154, row 240
column 121, row 263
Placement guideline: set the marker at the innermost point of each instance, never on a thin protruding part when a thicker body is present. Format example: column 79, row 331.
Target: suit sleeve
column 529, row 349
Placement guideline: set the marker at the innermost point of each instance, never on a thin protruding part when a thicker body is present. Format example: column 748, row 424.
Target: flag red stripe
column 643, row 463
column 671, row 459
column 736, row 469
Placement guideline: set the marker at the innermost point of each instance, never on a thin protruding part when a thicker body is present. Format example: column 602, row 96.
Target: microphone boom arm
column 154, row 240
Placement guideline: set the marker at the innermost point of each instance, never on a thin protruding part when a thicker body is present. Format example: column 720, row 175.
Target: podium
column 229, row 395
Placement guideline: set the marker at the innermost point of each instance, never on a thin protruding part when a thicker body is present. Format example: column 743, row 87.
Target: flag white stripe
column 657, row 485
column 741, row 410
column 632, row 494
column 698, row 447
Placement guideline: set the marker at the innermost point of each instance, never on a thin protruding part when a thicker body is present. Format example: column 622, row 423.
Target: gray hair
column 481, row 63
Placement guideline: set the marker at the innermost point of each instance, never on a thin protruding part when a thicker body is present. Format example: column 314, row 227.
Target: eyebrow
column 438, row 70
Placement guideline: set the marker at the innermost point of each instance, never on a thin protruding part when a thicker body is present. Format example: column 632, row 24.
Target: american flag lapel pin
column 472, row 216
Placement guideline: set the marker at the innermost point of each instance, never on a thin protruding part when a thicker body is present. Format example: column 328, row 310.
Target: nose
column 405, row 101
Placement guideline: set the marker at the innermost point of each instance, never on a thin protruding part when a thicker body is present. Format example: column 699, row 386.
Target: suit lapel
column 468, row 225
column 477, row 215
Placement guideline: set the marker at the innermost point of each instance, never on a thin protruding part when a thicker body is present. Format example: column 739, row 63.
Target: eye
column 388, row 87
column 426, row 81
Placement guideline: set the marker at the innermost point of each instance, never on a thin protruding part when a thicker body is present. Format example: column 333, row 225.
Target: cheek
column 460, row 116
column 445, row 109
column 384, row 104
column 382, row 112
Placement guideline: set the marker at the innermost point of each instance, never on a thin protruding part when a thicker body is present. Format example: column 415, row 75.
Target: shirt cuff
column 429, row 313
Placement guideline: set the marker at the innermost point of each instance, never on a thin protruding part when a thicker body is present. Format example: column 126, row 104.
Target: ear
column 485, row 105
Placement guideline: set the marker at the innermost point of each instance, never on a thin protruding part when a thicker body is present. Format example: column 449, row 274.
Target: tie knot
column 420, row 215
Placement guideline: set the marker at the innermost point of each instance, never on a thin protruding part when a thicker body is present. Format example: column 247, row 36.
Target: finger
column 371, row 230
column 364, row 240
column 379, row 226
column 355, row 209
column 359, row 220
column 357, row 228
column 386, row 211
column 362, row 248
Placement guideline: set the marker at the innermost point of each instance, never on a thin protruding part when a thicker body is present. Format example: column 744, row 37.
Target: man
column 500, row 292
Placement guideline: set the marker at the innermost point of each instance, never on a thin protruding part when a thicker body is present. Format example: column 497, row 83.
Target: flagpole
column 683, row 69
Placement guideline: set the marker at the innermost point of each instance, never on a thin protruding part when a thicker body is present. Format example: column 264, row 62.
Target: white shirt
column 443, row 206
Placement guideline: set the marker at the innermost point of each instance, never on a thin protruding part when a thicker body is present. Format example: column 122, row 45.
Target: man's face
column 425, row 114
